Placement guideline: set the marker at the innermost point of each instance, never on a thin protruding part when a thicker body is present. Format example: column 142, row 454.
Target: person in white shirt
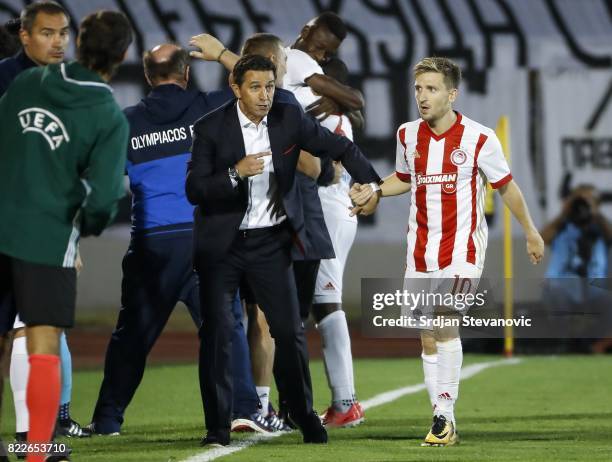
column 345, row 410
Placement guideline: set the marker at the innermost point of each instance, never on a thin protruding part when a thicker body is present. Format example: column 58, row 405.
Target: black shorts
column 43, row 295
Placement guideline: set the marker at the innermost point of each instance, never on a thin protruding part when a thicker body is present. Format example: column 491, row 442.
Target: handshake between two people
column 364, row 199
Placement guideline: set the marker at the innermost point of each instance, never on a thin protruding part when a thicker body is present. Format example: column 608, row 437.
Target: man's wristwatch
column 233, row 174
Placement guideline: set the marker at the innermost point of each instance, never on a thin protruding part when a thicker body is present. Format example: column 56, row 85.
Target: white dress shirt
column 265, row 206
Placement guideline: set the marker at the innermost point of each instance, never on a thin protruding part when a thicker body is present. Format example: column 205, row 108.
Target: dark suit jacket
column 218, row 145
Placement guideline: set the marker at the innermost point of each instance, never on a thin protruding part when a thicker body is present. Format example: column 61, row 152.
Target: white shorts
column 450, row 285
column 328, row 288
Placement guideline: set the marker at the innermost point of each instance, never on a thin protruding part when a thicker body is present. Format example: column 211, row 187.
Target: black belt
column 263, row 231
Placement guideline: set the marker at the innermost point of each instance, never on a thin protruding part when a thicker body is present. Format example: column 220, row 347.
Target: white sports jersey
column 300, row 66
column 448, row 174
column 335, row 198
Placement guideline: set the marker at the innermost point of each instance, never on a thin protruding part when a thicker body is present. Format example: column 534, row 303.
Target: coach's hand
column 361, row 193
column 210, row 47
column 535, row 247
column 367, row 209
column 252, row 164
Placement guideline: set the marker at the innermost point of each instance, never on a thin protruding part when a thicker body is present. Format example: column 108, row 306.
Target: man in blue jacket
column 157, row 268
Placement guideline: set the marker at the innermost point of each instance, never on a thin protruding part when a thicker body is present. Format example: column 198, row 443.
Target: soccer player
column 61, row 175
column 43, row 30
column 318, row 92
column 445, row 159
column 345, row 410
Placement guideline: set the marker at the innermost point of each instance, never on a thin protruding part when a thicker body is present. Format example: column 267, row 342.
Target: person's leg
column 18, row 373
column 7, row 315
column 332, row 325
column 219, row 282
column 153, row 274
column 262, row 349
column 245, row 400
column 269, row 274
column 455, row 280
column 429, row 355
column 45, row 298
column 43, row 389
column 450, row 359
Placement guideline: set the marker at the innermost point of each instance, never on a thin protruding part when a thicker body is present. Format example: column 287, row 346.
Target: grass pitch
column 544, row 408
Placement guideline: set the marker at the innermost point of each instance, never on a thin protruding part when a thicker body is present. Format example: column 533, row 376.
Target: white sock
column 338, row 358
column 19, row 371
column 430, row 374
column 450, row 358
column 264, row 398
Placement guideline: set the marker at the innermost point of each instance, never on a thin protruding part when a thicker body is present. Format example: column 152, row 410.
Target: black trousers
column 157, row 273
column 264, row 257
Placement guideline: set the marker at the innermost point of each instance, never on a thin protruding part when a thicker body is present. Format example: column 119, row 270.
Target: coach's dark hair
column 251, row 63
column 29, row 13
column 104, row 37
column 333, row 23
column 261, row 43
column 335, row 67
column 173, row 67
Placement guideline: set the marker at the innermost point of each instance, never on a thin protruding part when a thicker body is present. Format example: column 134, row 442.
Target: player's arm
column 366, row 199
column 211, row 49
column 514, row 200
column 347, row 97
column 391, row 186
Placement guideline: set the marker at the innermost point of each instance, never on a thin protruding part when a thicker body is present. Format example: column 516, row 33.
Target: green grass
column 557, row 408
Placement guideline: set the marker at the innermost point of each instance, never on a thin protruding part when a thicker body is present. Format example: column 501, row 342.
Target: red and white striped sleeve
column 493, row 162
column 402, row 169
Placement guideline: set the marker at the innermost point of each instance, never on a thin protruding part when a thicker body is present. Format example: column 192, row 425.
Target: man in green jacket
column 63, row 144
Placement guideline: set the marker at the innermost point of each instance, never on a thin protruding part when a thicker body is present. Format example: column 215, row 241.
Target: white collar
column 245, row 121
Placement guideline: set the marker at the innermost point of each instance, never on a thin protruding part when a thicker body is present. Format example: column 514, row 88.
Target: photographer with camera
column 579, row 237
column 579, row 240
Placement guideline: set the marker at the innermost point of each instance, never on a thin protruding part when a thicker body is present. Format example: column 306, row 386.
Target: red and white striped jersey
column 448, row 173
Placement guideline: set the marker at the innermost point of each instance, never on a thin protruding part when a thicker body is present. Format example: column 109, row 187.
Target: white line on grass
column 378, row 400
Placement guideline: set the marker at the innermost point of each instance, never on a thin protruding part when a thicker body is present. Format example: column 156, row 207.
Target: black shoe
column 21, row 437
column 213, row 440
column 93, row 429
column 72, row 429
column 313, row 430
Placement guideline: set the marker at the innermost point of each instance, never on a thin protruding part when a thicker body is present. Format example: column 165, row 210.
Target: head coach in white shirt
column 249, row 212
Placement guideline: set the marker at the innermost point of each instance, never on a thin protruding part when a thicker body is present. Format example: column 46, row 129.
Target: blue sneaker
column 251, row 423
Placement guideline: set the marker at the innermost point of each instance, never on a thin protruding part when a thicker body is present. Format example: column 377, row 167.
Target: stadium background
column 543, row 63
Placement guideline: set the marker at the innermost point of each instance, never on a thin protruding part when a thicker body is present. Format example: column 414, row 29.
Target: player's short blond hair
column 449, row 69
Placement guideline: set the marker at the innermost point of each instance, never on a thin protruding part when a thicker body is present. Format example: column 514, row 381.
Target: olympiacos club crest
column 458, row 157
